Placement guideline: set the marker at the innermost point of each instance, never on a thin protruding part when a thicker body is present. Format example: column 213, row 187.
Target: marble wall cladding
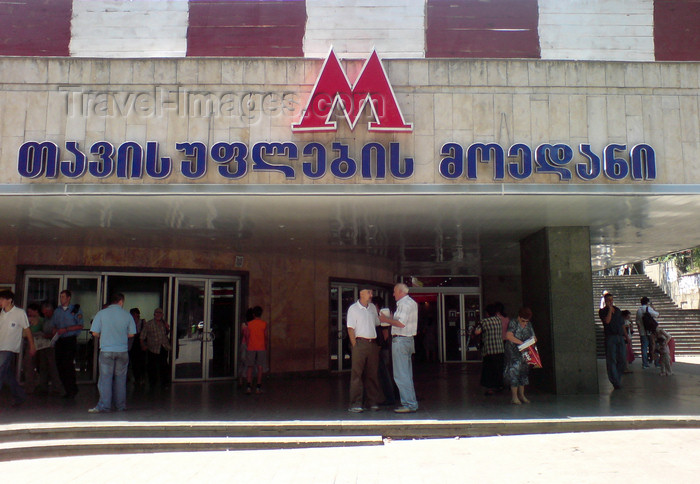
column 8, row 271
column 556, row 282
column 291, row 288
column 249, row 101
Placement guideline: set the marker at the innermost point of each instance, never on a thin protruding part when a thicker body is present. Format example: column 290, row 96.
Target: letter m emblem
column 333, row 89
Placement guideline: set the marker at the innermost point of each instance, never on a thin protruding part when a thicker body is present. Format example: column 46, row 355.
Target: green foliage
column 686, row 261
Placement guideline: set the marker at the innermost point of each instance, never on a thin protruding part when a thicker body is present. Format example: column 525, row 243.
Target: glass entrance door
column 86, row 292
column 341, row 298
column 460, row 312
column 222, row 341
column 205, row 323
column 454, row 330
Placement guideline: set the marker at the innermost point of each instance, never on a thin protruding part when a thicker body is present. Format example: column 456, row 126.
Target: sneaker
column 96, row 410
column 258, row 391
column 374, row 408
column 356, row 409
column 405, row 410
column 248, row 390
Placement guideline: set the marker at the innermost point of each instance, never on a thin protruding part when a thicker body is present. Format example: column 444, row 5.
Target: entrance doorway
column 461, row 312
column 202, row 311
column 86, row 290
column 445, row 317
column 205, row 336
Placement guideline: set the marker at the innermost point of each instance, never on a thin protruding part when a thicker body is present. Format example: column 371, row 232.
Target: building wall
column 683, row 289
column 107, row 28
column 461, row 101
column 293, row 290
column 619, row 30
column 599, row 29
column 396, row 28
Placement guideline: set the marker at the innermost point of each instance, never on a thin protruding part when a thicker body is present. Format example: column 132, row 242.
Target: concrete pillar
column 557, row 286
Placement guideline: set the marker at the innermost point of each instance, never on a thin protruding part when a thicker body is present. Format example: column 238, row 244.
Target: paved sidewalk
column 446, row 392
column 597, row 457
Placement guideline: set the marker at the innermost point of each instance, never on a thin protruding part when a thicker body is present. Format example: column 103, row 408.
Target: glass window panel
column 221, row 336
column 189, row 325
column 452, row 327
column 85, row 292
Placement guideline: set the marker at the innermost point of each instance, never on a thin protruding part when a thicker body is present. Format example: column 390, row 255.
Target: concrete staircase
column 683, row 324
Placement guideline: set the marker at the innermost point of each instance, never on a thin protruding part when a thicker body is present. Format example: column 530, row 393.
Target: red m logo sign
column 333, row 89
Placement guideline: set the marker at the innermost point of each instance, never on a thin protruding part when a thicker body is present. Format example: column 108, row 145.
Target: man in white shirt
column 362, row 321
column 13, row 326
column 404, row 328
column 647, row 350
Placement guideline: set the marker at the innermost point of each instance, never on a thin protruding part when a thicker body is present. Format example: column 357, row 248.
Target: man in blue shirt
column 113, row 326
column 67, row 323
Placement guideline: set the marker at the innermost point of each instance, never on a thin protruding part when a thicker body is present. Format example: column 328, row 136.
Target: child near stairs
column 662, row 347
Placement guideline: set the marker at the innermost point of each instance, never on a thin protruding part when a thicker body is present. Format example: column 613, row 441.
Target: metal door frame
column 338, row 323
column 441, row 293
column 62, row 286
column 208, row 282
column 169, row 302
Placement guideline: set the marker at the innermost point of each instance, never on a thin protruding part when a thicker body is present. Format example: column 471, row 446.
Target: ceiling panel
column 423, row 228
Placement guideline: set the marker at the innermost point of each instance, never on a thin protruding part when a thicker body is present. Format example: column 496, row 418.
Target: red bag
column 530, row 353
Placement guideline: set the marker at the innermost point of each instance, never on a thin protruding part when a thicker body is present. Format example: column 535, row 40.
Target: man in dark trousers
column 67, row 322
column 614, row 327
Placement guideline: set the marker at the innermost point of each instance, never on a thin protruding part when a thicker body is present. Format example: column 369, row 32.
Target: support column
column 557, row 286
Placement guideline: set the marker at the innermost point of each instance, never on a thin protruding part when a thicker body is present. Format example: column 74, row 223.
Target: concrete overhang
column 474, row 227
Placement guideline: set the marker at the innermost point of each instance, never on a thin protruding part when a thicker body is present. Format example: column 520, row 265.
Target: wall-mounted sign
column 314, row 160
column 375, row 161
column 333, row 89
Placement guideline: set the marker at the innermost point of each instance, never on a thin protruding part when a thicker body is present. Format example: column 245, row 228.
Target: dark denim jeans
column 615, row 358
column 7, row 375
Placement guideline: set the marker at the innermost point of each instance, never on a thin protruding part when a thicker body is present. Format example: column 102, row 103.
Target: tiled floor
column 444, row 392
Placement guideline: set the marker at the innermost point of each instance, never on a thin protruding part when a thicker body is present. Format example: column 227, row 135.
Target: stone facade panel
column 558, row 118
column 479, row 73
column 418, row 74
column 517, row 73
column 497, row 73
column 576, row 74
column 483, row 117
column 438, row 73
column 556, row 74
column 578, row 115
column 690, row 120
column 443, row 107
column 596, row 74
column 459, row 73
column 90, row 100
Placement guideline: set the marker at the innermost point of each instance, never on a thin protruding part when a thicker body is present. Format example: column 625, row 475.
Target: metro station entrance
column 201, row 310
column 445, row 314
